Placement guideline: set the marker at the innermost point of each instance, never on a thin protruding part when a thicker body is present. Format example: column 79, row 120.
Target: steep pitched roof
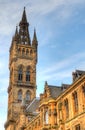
column 55, row 91
column 77, row 74
column 33, row 106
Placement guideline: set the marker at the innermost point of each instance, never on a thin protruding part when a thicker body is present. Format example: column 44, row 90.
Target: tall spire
column 24, row 18
column 16, row 36
column 23, row 31
column 34, row 42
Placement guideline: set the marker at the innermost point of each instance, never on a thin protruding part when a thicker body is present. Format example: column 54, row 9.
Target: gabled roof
column 55, row 91
column 77, row 74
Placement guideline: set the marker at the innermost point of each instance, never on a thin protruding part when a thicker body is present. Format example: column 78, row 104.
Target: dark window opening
column 27, row 76
column 27, row 96
column 20, row 95
column 20, row 75
column 77, row 127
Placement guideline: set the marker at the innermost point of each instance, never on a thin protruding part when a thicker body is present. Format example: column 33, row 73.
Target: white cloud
column 62, row 69
column 10, row 16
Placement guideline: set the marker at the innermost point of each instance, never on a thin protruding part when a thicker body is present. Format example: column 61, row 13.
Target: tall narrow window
column 20, row 95
column 66, row 108
column 83, row 89
column 46, row 117
column 23, row 51
column 27, row 52
column 28, row 75
column 19, row 50
column 20, row 74
column 27, row 96
column 77, row 127
column 75, row 98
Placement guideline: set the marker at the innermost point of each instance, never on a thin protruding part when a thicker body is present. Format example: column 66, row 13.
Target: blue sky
column 60, row 27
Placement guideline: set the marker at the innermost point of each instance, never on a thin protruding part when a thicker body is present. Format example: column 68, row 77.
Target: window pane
column 20, row 75
column 27, row 76
column 20, row 95
column 27, row 95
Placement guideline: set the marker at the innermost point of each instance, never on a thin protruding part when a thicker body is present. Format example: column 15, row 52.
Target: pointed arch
column 20, row 73
column 20, row 95
column 46, row 117
column 28, row 74
column 27, row 52
column 23, row 51
column 28, row 95
column 66, row 104
column 75, row 100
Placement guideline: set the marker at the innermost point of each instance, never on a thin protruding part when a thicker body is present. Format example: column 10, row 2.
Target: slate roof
column 33, row 106
column 55, row 91
column 77, row 74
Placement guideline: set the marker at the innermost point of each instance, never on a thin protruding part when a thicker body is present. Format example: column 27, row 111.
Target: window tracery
column 66, row 107
column 20, row 95
column 28, row 96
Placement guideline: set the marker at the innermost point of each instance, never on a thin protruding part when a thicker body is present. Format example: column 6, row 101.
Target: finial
column 46, row 83
column 35, row 37
column 34, row 30
column 16, row 32
column 24, row 7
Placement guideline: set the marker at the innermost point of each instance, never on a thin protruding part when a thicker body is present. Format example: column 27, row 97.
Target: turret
column 34, row 41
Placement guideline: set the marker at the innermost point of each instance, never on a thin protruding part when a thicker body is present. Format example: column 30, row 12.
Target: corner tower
column 22, row 66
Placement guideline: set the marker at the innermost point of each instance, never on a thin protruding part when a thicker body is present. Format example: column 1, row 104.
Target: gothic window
column 19, row 50
column 23, row 51
column 75, row 98
column 39, row 122
column 20, row 95
column 77, row 127
column 66, row 107
column 28, row 74
column 46, row 117
column 30, row 52
column 27, row 52
column 83, row 89
column 27, row 96
column 20, row 74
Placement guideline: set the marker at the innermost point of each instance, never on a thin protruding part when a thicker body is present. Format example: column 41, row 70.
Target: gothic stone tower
column 22, row 66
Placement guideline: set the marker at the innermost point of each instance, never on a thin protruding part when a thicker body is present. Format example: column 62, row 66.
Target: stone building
column 58, row 108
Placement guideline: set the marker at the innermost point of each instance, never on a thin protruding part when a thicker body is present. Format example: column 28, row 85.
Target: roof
column 33, row 106
column 77, row 74
column 55, row 91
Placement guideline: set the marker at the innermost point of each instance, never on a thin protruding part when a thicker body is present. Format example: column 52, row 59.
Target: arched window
column 83, row 89
column 75, row 98
column 46, row 117
column 20, row 74
column 23, row 51
column 27, row 96
column 19, row 50
column 28, row 75
column 20, row 95
column 66, row 108
column 27, row 52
